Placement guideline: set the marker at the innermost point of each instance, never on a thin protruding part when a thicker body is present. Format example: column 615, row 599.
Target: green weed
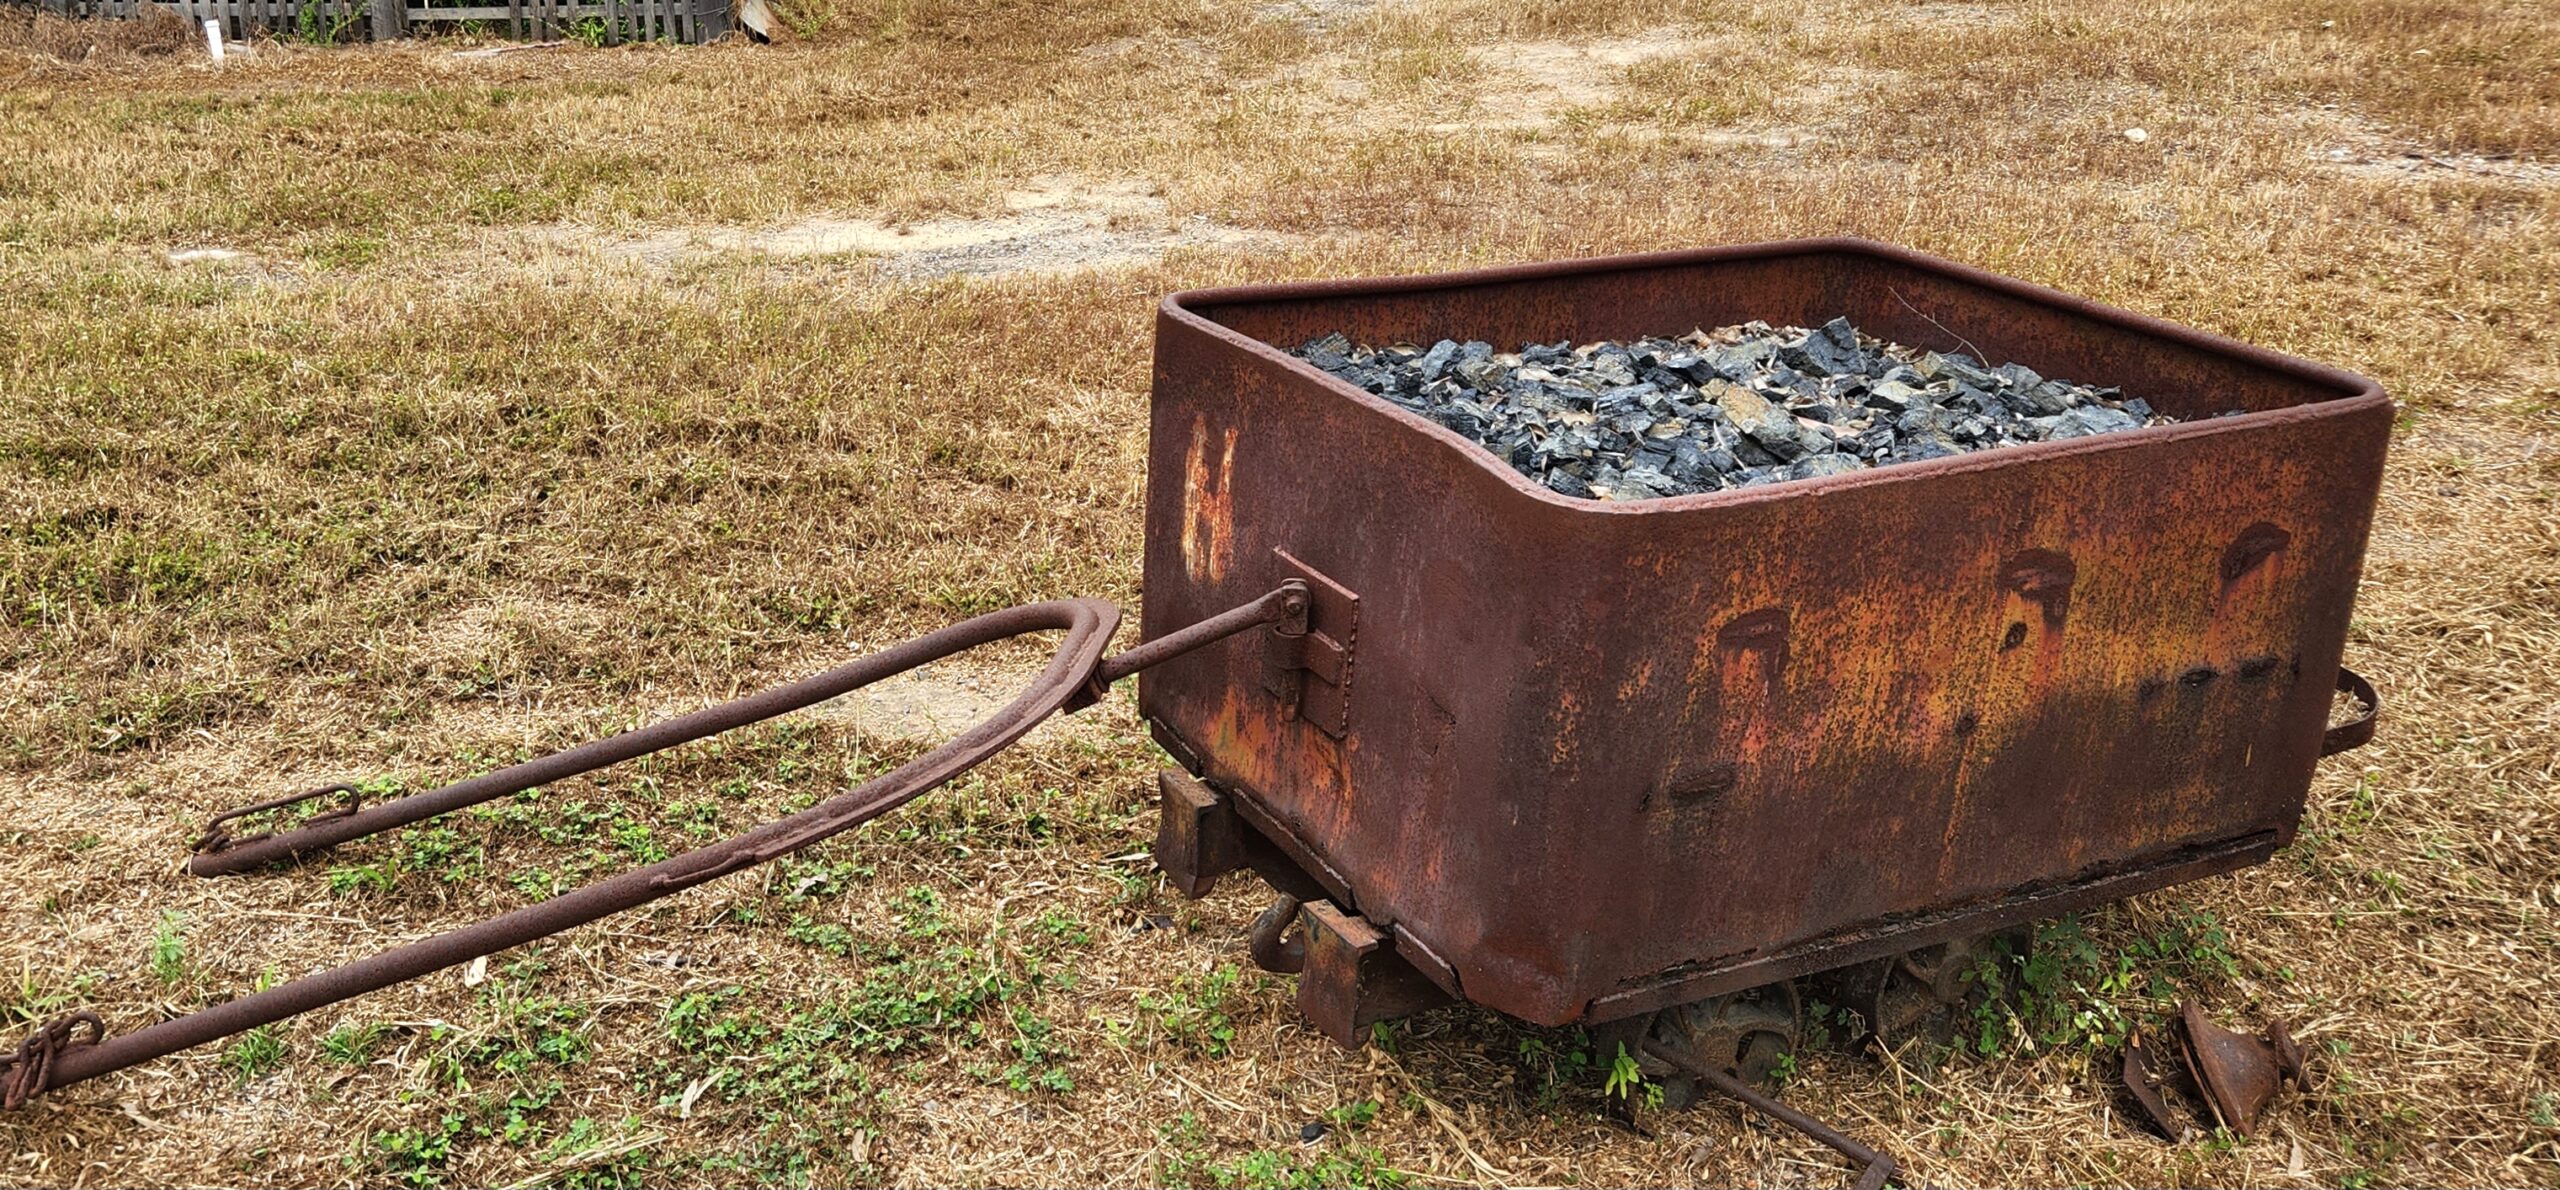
column 531, row 1031
column 824, row 936
column 417, row 1156
column 31, row 1001
column 257, row 1053
column 1036, row 1057
column 1065, row 929
column 2069, row 992
column 598, row 1158
column 1187, row 1137
column 169, row 950
column 443, row 852
column 1349, row 1165
column 361, row 879
column 353, row 1045
column 315, row 24
column 1193, row 1013
column 1352, row 1116
column 1551, row 1068
column 1627, row 1081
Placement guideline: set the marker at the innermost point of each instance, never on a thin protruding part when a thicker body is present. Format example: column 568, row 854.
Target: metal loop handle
column 215, row 838
column 245, row 854
column 2356, row 732
column 49, row 1060
column 1270, row 942
column 23, row 1074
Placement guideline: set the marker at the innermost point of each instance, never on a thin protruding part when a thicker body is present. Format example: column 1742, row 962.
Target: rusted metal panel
column 1598, row 757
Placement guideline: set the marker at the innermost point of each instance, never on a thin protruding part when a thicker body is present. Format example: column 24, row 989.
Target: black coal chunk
column 1331, row 353
column 1831, row 350
column 1739, row 406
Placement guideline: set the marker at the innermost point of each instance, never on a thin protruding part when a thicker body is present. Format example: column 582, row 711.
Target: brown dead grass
column 389, row 493
column 33, row 36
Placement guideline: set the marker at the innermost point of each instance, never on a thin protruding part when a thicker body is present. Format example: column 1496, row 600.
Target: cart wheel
column 1924, row 994
column 1744, row 1033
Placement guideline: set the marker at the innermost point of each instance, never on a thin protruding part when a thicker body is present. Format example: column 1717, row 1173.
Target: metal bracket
column 1309, row 664
column 1353, row 978
column 1197, row 835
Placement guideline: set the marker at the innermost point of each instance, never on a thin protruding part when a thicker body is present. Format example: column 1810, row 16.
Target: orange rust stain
column 1568, row 720
column 1298, row 768
column 1702, row 665
column 1638, row 680
column 1208, row 520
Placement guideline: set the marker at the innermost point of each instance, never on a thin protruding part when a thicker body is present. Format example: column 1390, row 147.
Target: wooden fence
column 604, row 22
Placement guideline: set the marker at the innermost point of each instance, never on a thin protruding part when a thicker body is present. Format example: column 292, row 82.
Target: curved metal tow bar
column 58, row 1055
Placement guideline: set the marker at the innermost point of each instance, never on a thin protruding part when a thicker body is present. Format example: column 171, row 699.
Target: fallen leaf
column 684, row 1106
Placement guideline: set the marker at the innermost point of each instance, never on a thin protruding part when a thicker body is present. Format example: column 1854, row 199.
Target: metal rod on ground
column 1876, row 1169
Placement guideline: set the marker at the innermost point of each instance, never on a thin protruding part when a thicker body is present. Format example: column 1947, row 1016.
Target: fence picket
column 621, row 21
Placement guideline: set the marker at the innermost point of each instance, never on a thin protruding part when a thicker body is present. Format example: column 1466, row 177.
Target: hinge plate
column 1311, row 672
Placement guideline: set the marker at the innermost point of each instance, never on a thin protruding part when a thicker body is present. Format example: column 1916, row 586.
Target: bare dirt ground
column 1054, row 225
column 382, row 413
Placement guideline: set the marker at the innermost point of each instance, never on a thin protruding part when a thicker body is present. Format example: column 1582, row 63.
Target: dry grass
column 38, row 39
column 431, row 475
